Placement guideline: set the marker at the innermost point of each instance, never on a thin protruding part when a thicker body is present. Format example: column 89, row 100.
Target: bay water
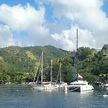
column 22, row 96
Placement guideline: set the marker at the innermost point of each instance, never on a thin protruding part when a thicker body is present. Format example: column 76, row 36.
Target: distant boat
column 106, row 95
column 104, row 86
column 79, row 84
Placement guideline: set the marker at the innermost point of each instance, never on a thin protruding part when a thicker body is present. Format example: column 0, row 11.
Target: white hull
column 79, row 86
column 105, row 95
column 61, row 85
column 50, row 87
column 86, row 88
column 38, row 87
column 45, row 87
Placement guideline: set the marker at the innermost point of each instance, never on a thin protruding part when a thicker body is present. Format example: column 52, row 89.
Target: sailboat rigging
column 78, row 85
column 61, row 84
column 48, row 86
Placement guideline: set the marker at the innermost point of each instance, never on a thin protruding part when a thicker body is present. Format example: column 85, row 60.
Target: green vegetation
column 20, row 64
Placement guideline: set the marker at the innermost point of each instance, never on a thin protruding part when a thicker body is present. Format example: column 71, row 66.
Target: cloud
column 66, row 16
column 87, row 14
column 25, row 19
column 6, row 37
column 20, row 18
column 67, row 38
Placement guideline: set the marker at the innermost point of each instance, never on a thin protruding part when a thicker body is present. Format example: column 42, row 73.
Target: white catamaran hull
column 79, row 86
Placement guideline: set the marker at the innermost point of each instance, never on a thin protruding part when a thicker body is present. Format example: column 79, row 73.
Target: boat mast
column 42, row 69
column 51, row 72
column 76, row 55
column 60, row 73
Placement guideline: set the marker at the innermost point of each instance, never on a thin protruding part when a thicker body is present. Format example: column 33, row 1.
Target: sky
column 54, row 22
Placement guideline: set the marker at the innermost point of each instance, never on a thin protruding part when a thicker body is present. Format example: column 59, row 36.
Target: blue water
column 26, row 97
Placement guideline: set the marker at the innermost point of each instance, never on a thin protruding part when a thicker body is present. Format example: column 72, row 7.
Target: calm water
column 26, row 97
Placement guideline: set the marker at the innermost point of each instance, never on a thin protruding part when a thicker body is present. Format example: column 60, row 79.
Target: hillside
column 20, row 64
column 22, row 59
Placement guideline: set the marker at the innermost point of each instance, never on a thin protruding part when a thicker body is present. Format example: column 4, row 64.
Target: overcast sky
column 54, row 22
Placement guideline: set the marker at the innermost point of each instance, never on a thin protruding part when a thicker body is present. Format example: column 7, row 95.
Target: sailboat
column 44, row 86
column 61, row 84
column 51, row 85
column 36, row 85
column 79, row 85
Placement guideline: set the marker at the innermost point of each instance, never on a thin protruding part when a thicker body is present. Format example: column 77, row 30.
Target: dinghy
column 105, row 95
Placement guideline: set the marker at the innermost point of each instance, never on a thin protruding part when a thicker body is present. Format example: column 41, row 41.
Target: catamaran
column 79, row 84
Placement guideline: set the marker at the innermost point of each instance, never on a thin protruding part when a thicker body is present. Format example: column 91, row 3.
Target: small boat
column 105, row 95
column 104, row 86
